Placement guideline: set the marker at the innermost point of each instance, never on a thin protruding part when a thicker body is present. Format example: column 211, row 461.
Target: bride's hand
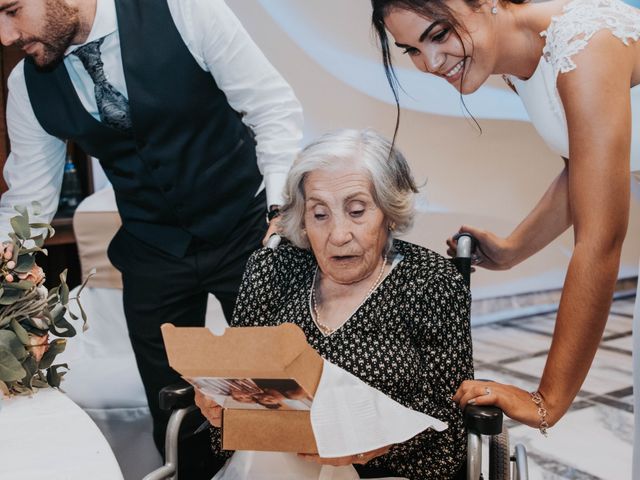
column 492, row 252
column 513, row 401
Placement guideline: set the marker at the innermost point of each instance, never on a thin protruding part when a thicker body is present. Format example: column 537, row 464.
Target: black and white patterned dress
column 410, row 339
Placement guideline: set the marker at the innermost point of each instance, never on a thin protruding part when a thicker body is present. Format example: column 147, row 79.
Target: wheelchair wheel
column 499, row 457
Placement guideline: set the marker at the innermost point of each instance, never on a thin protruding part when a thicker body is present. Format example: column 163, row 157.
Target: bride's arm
column 549, row 218
column 596, row 99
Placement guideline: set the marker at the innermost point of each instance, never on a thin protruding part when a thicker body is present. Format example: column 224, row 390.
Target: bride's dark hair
column 435, row 10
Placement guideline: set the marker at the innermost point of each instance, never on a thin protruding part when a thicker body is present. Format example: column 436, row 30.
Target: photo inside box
column 254, row 393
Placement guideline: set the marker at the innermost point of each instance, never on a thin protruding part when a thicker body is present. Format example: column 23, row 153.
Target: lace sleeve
column 570, row 32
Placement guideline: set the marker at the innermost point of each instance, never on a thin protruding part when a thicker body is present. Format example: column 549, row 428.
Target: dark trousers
column 160, row 288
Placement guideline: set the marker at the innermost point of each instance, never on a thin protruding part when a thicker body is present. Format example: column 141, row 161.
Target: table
column 49, row 436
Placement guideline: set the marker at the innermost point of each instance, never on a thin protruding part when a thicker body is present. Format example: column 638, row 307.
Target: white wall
column 326, row 50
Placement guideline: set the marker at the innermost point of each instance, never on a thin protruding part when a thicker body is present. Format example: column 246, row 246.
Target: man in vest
column 194, row 128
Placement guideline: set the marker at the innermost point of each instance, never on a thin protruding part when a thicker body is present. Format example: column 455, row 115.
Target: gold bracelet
column 542, row 412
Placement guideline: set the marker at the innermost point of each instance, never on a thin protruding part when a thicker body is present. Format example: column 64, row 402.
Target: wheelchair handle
column 178, row 395
column 466, row 245
column 273, row 241
column 483, row 419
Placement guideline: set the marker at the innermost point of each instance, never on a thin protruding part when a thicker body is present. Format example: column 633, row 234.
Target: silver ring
column 487, row 391
column 476, row 259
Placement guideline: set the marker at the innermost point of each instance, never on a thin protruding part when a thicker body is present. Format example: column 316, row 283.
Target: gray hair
column 393, row 183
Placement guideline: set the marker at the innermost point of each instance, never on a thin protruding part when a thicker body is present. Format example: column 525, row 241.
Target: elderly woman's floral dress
column 410, row 339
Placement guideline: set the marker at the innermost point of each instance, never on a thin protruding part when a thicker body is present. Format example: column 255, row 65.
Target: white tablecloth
column 49, row 436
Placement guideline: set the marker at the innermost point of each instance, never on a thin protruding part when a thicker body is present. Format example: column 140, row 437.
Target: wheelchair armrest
column 176, row 396
column 485, row 420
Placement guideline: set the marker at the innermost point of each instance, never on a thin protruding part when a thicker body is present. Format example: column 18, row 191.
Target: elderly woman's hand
column 361, row 458
column 210, row 409
column 513, row 401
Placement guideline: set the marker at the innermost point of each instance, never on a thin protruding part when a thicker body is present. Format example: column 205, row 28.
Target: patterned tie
column 112, row 105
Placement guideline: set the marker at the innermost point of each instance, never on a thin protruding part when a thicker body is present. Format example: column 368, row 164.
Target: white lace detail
column 570, row 32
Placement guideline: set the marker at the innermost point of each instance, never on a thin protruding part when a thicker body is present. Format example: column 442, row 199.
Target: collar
column 104, row 23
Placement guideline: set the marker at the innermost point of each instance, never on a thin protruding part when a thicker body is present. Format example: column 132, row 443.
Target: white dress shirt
column 219, row 44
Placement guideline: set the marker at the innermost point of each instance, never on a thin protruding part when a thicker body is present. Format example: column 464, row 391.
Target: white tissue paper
column 349, row 417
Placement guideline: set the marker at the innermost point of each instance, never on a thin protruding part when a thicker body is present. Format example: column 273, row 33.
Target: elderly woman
column 392, row 313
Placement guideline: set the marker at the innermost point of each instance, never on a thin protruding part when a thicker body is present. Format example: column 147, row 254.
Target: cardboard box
column 280, row 352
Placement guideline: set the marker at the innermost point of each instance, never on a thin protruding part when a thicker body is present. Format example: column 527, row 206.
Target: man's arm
column 251, row 84
column 34, row 168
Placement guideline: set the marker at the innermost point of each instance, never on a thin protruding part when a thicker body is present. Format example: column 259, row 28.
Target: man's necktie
column 112, row 105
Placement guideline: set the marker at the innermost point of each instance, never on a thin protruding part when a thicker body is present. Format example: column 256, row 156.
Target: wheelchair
column 480, row 421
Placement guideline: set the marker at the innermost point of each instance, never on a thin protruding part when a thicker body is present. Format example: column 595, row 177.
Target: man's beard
column 62, row 25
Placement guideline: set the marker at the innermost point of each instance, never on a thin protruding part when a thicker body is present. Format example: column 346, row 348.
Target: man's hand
column 273, row 228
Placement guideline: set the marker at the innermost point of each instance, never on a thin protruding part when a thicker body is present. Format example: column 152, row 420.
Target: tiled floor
column 593, row 440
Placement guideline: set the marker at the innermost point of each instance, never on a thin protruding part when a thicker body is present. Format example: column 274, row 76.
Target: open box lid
column 244, row 352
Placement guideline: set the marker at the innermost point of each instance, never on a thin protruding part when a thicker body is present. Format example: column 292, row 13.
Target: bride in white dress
column 576, row 66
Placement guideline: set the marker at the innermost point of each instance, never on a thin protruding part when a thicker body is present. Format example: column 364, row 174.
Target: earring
column 494, row 7
column 392, row 226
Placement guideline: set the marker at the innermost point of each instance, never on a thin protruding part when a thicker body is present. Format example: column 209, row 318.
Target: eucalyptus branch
column 29, row 313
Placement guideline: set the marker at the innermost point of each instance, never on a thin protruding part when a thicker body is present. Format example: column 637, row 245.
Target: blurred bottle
column 71, row 192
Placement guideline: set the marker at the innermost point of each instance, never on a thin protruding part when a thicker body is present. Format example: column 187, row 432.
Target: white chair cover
column 103, row 378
